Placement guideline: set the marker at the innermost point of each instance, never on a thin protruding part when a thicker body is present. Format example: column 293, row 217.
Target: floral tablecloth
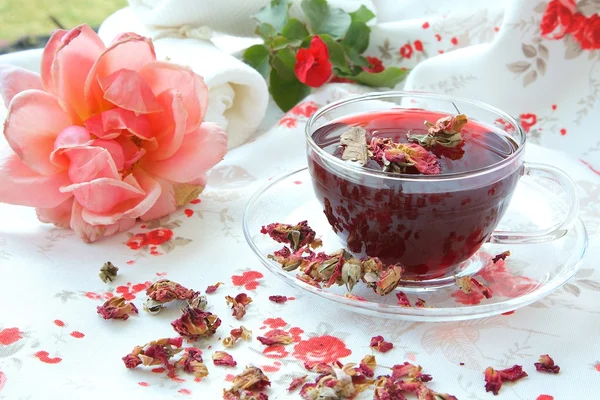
column 53, row 344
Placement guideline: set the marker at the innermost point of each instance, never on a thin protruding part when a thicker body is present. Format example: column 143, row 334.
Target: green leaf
column 275, row 14
column 257, row 57
column 280, row 42
column 363, row 14
column 284, row 62
column 286, row 93
column 389, row 77
column 355, row 58
column 324, row 19
column 337, row 56
column 357, row 36
column 265, row 31
column 295, row 30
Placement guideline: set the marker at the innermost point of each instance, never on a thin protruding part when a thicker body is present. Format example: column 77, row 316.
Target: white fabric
column 238, row 94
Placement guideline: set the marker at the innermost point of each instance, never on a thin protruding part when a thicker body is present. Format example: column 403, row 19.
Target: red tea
column 429, row 225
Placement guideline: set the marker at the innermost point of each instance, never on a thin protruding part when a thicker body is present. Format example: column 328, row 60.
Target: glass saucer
column 531, row 272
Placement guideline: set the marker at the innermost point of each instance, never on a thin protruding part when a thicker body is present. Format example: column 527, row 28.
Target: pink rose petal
column 14, row 80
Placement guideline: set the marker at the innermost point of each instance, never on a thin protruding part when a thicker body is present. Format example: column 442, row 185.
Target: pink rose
column 106, row 135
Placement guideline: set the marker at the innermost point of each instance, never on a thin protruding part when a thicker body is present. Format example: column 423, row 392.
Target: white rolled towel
column 238, row 95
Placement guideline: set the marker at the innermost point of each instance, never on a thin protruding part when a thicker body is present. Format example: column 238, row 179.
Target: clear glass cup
column 431, row 224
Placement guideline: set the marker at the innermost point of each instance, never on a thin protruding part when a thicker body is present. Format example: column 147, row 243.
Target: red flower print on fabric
column 587, row 31
column 44, row 357
column 10, row 336
column 137, row 241
column 159, row 236
column 2, row 380
column 406, row 51
column 248, row 279
column 544, row 397
column 528, row 121
column 276, row 352
column 288, row 122
column 557, row 20
column 321, row 349
column 275, row 323
column 306, row 108
column 418, row 45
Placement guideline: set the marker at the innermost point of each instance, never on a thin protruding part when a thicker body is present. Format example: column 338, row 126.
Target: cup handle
column 559, row 229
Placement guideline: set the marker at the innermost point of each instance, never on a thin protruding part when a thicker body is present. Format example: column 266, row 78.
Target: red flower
column 137, row 241
column 418, row 45
column 587, row 32
column 557, row 20
column 313, row 67
column 527, row 121
column 324, row 349
column 375, row 65
column 406, row 51
column 159, row 236
column 10, row 336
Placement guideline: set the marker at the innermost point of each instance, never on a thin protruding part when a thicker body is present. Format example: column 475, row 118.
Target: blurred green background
column 19, row 18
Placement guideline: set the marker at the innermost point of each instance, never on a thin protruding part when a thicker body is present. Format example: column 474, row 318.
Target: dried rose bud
column 402, row 299
column 278, row 299
column 289, row 261
column 239, row 304
column 378, row 343
column 154, row 353
column 276, row 337
column 164, row 291
column 108, row 272
column 501, row 256
column 495, row 378
column 252, row 378
column 131, row 360
column 223, row 358
column 198, row 301
column 385, row 281
column 546, row 364
column 296, row 383
column 351, row 273
column 420, row 303
column 236, row 334
column 191, row 362
column 117, row 308
column 195, row 323
column 367, row 366
column 445, row 132
column 409, row 370
column 335, row 382
column 213, row 288
column 296, row 236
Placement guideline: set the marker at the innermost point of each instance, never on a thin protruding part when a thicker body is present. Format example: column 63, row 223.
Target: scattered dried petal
column 420, row 303
column 251, row 379
column 236, row 334
column 191, row 362
column 467, row 284
column 398, row 157
column 445, row 132
column 164, row 291
column 213, row 288
column 495, row 378
column 354, row 297
column 152, row 306
column 296, row 236
column 157, row 352
column 411, row 371
column 108, row 272
column 117, row 308
column 378, row 343
column 198, row 301
column 546, row 364
column 354, row 141
column 278, row 299
column 296, row 383
column 501, row 256
column 196, row 323
column 238, row 304
column 402, row 299
column 276, row 337
column 223, row 358
column 367, row 366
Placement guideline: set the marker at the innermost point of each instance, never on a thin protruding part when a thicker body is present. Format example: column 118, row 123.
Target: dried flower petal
column 445, row 132
column 252, row 378
column 402, row 299
column 397, row 157
column 245, row 395
column 354, row 141
column 378, row 343
column 501, row 256
column 420, row 303
column 367, row 366
column 238, row 304
column 495, row 378
column 467, row 284
column 154, row 353
column 198, row 301
column 296, row 236
column 108, row 272
column 276, row 337
column 296, row 383
column 191, row 362
column 354, row 297
column 411, row 371
column 164, row 291
column 213, row 288
column 386, row 389
column 236, row 334
column 196, row 323
column 278, row 299
column 152, row 306
column 385, row 281
column 546, row 364
column 223, row 358
column 117, row 308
